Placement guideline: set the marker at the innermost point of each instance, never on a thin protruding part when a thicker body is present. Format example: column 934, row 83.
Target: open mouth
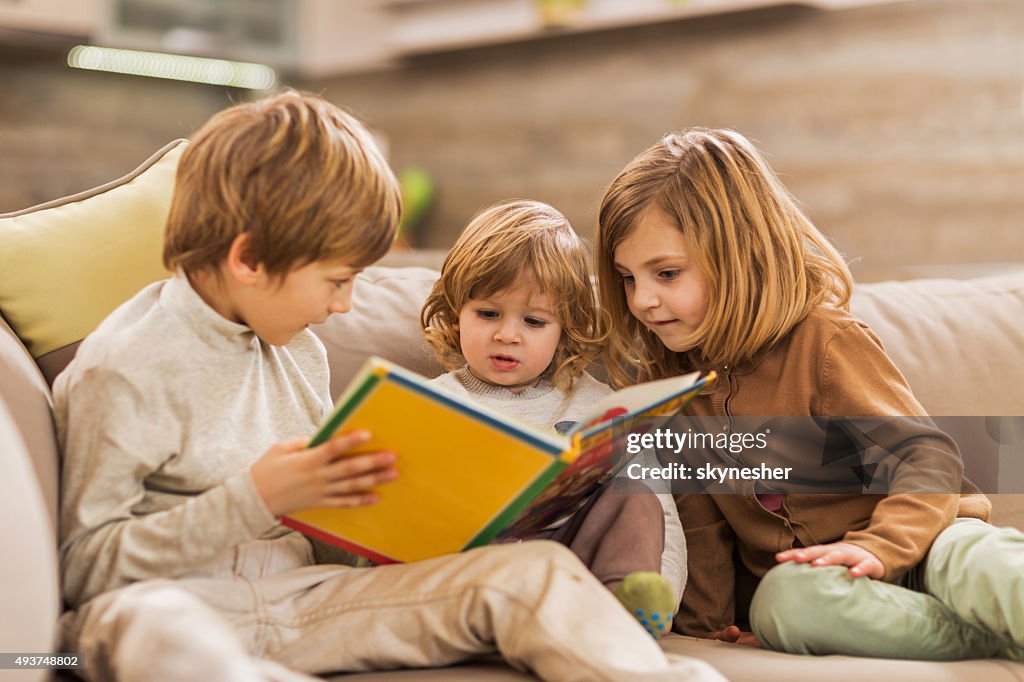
column 504, row 362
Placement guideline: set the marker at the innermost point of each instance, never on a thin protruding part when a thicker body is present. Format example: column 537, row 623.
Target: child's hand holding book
column 290, row 476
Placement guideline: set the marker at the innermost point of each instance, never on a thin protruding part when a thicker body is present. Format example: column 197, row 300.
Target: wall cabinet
column 424, row 26
column 77, row 18
column 319, row 38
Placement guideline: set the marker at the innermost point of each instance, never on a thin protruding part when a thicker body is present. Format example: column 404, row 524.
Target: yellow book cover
column 466, row 473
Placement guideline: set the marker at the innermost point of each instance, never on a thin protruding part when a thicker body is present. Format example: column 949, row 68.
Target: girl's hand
column 734, row 635
column 289, row 477
column 860, row 561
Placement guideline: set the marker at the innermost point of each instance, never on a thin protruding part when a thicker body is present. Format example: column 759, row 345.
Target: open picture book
column 469, row 476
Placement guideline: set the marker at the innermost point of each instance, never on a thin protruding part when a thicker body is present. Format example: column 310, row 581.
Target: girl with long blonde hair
column 705, row 261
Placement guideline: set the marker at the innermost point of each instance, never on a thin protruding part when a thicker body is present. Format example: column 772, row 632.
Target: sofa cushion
column 958, row 342
column 742, row 664
column 66, row 264
column 25, row 393
column 28, row 573
column 384, row 321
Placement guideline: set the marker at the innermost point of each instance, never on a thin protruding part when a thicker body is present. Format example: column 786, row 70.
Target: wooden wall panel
column 899, row 127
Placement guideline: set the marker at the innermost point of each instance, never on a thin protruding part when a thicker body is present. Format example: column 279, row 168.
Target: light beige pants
column 265, row 612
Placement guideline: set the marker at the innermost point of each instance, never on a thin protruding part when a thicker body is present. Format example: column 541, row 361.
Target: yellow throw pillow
column 66, row 264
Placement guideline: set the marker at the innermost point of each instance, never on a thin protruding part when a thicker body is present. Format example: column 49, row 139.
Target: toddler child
column 706, row 262
column 514, row 316
column 173, row 560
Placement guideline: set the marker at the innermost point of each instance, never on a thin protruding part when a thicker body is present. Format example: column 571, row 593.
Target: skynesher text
column 707, row 472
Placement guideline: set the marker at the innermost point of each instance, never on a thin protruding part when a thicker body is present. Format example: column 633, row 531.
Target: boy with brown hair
column 172, row 555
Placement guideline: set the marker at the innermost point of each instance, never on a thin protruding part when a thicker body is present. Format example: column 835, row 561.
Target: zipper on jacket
column 727, row 376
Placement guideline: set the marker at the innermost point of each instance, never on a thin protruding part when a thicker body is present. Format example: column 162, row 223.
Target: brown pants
column 614, row 534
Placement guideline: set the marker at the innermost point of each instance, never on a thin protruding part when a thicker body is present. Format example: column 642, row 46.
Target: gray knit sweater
column 542, row 405
column 160, row 416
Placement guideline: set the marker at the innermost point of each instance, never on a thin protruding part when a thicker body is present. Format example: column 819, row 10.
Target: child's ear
column 241, row 263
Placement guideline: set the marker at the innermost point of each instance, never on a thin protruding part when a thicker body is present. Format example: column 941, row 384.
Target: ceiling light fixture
column 173, row 66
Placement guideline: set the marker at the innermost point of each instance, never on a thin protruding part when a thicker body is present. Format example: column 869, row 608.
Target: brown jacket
column 830, row 364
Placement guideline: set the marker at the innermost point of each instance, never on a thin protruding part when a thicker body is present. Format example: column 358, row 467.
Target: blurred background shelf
column 78, row 18
column 432, row 26
column 319, row 38
column 899, row 125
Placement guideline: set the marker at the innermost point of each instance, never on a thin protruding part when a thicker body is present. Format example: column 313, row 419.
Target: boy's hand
column 289, row 477
column 861, row 561
column 734, row 635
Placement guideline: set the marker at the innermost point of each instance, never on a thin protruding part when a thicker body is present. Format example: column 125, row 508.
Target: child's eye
column 487, row 314
column 626, row 279
column 668, row 274
column 340, row 282
column 535, row 322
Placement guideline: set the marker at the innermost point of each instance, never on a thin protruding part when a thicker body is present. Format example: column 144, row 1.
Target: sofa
column 65, row 264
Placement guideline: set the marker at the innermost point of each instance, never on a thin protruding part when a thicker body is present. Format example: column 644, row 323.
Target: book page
column 638, row 399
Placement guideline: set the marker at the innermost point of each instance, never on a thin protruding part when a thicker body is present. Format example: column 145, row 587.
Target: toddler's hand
column 860, row 561
column 734, row 635
column 289, row 477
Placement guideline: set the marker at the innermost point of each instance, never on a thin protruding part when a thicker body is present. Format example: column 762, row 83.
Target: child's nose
column 508, row 332
column 341, row 303
column 644, row 297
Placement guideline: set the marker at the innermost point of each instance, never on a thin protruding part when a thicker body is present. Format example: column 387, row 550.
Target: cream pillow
column 66, row 264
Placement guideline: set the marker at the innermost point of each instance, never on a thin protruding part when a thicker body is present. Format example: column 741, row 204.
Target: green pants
column 965, row 600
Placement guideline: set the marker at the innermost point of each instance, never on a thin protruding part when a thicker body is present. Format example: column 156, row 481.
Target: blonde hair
column 765, row 264
column 508, row 241
column 303, row 178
